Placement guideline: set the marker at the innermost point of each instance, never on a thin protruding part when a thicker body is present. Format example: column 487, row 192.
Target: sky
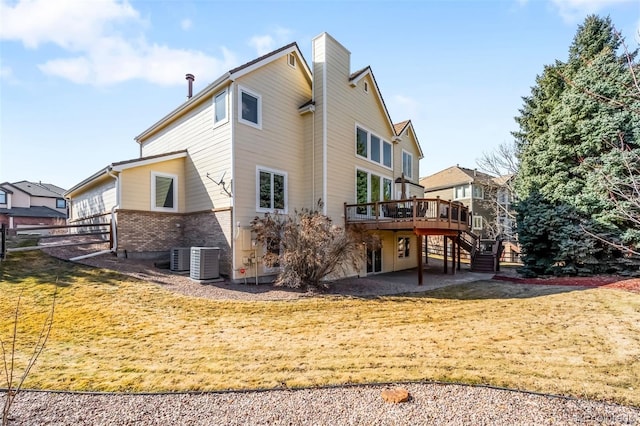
column 80, row 79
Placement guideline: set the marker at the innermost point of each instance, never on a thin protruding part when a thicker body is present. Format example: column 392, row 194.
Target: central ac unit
column 205, row 263
column 180, row 259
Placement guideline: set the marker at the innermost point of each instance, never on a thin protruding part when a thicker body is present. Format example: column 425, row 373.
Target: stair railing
column 472, row 241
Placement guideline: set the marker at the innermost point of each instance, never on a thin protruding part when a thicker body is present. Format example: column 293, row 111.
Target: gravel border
column 430, row 404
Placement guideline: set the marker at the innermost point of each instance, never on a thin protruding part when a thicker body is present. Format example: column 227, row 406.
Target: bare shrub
column 311, row 247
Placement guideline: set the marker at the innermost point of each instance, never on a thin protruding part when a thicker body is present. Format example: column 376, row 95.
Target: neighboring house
column 25, row 204
column 488, row 197
column 274, row 134
column 468, row 186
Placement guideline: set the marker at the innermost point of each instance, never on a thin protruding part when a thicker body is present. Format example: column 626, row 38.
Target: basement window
column 404, row 243
column 477, row 222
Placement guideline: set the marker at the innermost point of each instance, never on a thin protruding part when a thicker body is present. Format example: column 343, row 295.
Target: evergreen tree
column 579, row 113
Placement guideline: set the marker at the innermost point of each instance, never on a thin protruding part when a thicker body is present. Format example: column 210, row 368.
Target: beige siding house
column 274, row 134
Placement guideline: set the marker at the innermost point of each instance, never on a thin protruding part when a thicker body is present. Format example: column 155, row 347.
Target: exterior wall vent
column 180, row 259
column 205, row 263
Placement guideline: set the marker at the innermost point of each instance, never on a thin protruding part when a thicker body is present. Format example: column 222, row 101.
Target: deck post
column 444, row 254
column 453, row 255
column 426, row 249
column 458, row 251
column 420, row 265
column 415, row 211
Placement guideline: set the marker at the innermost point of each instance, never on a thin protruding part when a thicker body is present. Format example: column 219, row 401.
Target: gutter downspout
column 231, row 103
column 114, row 221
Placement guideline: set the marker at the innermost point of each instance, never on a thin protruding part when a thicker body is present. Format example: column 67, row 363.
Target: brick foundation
column 151, row 235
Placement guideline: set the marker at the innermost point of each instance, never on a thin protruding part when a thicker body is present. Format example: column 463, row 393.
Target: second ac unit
column 180, row 259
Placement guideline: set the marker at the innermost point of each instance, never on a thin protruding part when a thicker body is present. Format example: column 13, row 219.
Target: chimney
column 190, row 79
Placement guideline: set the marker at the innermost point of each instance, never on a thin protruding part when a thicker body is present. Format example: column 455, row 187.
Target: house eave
column 186, row 106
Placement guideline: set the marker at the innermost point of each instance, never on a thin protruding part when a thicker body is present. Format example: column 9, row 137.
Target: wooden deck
column 424, row 216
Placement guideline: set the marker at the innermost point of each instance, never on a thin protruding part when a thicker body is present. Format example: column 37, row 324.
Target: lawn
column 113, row 333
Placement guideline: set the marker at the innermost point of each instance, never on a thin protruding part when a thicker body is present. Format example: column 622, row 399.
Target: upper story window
column 366, row 87
column 503, row 196
column 220, row 108
column 407, row 164
column 478, row 192
column 271, row 190
column 461, row 191
column 3, row 197
column 291, row 60
column 373, row 148
column 164, row 192
column 250, row 108
column 61, row 203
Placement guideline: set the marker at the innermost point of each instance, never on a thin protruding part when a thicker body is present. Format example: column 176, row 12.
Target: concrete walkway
column 406, row 281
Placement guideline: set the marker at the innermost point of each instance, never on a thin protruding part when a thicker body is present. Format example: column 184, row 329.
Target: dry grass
column 112, row 333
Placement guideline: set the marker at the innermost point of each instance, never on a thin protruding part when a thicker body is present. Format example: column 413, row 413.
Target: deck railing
column 416, row 210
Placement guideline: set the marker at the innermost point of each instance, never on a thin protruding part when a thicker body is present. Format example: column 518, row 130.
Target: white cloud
column 269, row 42
column 103, row 50
column 118, row 62
column 263, row 44
column 67, row 23
column 186, row 24
column 404, row 108
column 573, row 10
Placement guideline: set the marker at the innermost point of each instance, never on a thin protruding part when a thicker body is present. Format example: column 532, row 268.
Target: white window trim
column 407, row 240
column 479, row 219
column 369, row 173
column 368, row 157
column 286, row 190
column 153, row 192
column 224, row 92
column 295, row 60
column 455, row 197
column 366, row 87
column 6, row 201
column 481, row 197
column 411, row 168
column 259, row 98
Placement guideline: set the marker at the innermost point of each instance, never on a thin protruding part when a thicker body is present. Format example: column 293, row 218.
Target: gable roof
column 4, row 185
column 403, row 127
column 38, row 189
column 224, row 80
column 399, row 127
column 356, row 76
column 126, row 164
column 454, row 176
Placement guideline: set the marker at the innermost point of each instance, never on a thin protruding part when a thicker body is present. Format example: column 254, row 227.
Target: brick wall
column 150, row 235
